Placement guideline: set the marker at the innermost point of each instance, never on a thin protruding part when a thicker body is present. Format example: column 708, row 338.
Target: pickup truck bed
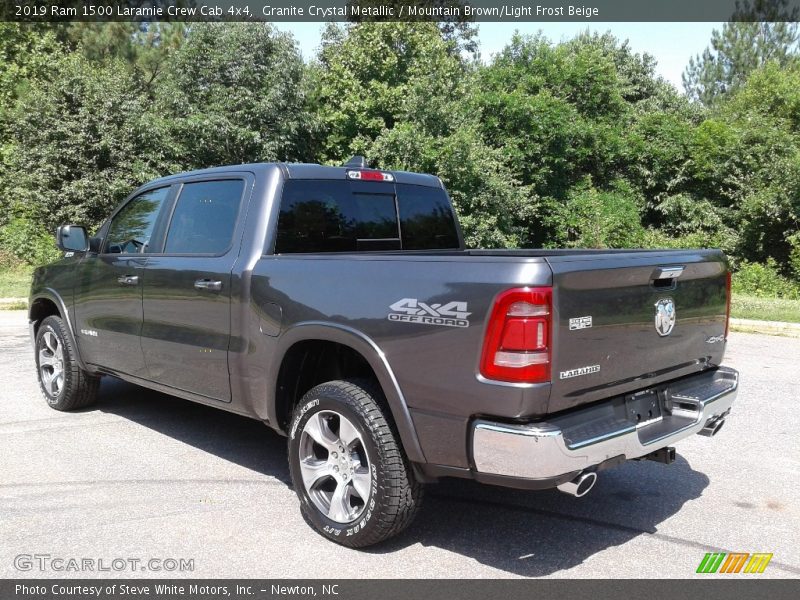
column 275, row 290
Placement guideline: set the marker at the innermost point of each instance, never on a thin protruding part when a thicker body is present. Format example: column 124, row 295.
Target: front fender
column 347, row 336
column 54, row 297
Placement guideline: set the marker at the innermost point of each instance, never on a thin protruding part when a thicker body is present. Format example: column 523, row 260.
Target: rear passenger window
column 205, row 217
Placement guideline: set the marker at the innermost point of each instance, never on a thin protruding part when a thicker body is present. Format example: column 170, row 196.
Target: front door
column 187, row 289
column 108, row 290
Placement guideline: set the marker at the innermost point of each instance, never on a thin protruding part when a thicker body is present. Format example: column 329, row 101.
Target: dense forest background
column 577, row 143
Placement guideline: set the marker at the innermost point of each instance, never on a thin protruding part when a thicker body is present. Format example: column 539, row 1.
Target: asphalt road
column 143, row 475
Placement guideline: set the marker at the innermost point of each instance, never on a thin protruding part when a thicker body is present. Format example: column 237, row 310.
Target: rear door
column 623, row 321
column 108, row 290
column 187, row 293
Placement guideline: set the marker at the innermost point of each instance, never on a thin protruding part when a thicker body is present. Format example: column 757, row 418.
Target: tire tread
column 403, row 494
column 81, row 387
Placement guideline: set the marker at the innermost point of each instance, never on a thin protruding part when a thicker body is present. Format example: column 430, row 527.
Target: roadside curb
column 766, row 327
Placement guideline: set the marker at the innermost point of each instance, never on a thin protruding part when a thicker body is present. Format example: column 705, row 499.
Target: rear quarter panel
column 436, row 366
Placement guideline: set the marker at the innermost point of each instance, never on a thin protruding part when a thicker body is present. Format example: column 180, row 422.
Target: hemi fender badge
column 579, row 371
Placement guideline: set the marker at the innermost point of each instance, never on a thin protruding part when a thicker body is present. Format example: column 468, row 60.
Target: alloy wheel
column 51, row 364
column 334, row 466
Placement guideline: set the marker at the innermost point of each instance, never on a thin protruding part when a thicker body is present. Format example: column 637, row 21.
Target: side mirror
column 72, row 238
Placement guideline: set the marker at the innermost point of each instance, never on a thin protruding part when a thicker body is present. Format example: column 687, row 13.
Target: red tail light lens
column 727, row 303
column 517, row 344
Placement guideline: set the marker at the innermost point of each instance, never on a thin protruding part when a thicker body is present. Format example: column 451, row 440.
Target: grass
column 765, row 309
column 17, row 305
column 15, row 282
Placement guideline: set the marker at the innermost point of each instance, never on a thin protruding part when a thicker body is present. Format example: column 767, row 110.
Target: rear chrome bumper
column 587, row 437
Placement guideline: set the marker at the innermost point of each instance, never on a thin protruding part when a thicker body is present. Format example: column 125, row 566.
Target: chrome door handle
column 128, row 280
column 207, row 284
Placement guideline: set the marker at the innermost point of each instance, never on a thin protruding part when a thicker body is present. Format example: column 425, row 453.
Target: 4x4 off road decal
column 411, row 310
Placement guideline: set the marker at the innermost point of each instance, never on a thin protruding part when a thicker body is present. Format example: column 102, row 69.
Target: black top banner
column 511, row 11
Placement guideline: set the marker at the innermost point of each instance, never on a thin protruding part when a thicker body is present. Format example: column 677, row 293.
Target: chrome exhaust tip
column 712, row 427
column 580, row 486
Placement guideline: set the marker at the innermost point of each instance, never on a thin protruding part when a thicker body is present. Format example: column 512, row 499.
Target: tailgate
column 627, row 320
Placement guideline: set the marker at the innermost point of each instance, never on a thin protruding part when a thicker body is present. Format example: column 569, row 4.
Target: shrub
column 764, row 281
column 657, row 238
column 28, row 242
column 794, row 255
column 596, row 218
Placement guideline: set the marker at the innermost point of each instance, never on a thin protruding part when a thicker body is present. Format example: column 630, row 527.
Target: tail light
column 367, row 175
column 517, row 343
column 727, row 303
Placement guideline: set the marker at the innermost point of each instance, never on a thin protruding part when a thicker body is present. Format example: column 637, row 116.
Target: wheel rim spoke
column 319, row 430
column 340, row 509
column 347, row 433
column 313, row 471
column 55, row 384
column 46, row 358
column 362, row 483
column 51, row 342
column 49, row 382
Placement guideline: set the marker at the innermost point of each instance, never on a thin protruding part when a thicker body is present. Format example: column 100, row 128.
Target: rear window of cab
column 351, row 216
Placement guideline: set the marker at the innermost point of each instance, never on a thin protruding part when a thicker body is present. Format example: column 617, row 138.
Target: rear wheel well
column 41, row 308
column 311, row 362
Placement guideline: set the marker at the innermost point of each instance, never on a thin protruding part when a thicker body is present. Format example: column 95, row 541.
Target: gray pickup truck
column 340, row 306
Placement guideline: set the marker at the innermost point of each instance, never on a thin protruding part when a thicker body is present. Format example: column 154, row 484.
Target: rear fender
column 341, row 334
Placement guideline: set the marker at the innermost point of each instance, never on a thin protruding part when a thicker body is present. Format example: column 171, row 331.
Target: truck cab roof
column 305, row 171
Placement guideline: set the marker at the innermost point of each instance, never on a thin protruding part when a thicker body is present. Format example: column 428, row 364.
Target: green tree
column 368, row 76
column 568, row 113
column 235, row 93
column 396, row 93
column 746, row 158
column 145, row 46
column 85, row 137
column 493, row 207
column 759, row 32
column 657, row 152
column 459, row 31
column 556, row 109
column 25, row 54
column 592, row 218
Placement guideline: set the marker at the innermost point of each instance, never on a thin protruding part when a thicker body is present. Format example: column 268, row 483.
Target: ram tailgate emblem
column 665, row 316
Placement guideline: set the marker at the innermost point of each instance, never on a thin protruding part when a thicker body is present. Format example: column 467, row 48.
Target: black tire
column 394, row 495
column 77, row 388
